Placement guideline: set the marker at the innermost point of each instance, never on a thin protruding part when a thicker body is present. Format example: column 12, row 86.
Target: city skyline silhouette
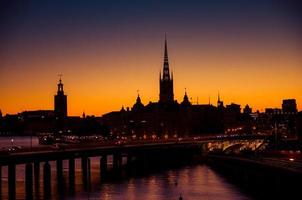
column 150, row 99
column 249, row 52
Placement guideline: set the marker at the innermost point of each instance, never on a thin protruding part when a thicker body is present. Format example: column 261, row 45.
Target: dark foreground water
column 195, row 182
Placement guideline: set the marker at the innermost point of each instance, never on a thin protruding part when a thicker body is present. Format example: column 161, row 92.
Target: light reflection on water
column 193, row 182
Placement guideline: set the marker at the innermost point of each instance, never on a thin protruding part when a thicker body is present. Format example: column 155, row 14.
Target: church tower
column 166, row 81
column 219, row 102
column 60, row 102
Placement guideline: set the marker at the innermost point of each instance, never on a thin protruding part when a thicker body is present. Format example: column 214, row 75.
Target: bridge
column 143, row 153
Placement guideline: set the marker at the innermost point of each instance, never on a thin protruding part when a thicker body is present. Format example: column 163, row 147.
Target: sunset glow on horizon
column 248, row 52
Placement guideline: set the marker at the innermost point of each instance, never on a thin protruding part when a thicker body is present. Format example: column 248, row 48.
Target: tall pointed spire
column 166, row 59
column 219, row 102
column 218, row 97
column 166, row 73
column 166, row 80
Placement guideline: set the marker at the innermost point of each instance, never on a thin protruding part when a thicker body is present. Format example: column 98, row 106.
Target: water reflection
column 204, row 184
column 193, row 182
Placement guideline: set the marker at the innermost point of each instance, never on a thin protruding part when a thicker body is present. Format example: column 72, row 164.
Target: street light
column 12, row 141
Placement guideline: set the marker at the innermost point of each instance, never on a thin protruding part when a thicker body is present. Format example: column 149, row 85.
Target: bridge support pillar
column 103, row 166
column 0, row 181
column 37, row 178
column 12, row 181
column 142, row 161
column 47, row 179
column 71, row 174
column 129, row 159
column 129, row 164
column 60, row 175
column 89, row 173
column 28, row 181
column 84, row 163
column 117, row 161
column 59, row 169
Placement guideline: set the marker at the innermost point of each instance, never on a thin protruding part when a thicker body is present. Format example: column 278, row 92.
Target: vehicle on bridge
column 46, row 138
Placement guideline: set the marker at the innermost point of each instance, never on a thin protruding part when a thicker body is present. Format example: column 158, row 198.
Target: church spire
column 166, row 73
column 166, row 59
column 219, row 102
column 218, row 97
column 166, row 80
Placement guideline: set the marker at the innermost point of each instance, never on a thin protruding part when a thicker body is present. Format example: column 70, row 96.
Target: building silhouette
column 166, row 116
column 289, row 106
column 247, row 109
column 219, row 102
column 166, row 80
column 60, row 102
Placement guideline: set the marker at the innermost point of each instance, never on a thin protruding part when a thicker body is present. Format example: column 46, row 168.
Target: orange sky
column 260, row 79
column 250, row 53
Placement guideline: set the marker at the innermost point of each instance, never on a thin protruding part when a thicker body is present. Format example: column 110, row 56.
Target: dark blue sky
column 56, row 18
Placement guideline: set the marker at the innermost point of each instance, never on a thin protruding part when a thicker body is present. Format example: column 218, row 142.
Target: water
column 193, row 182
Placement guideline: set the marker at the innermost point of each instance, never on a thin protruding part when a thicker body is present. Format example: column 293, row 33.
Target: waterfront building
column 167, row 116
column 60, row 102
column 247, row 109
column 289, row 106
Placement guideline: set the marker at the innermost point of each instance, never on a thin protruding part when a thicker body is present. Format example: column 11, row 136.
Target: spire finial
column 138, row 99
column 60, row 76
column 218, row 96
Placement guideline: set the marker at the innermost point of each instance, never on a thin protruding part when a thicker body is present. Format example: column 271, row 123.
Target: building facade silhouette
column 166, row 94
column 60, row 102
column 166, row 116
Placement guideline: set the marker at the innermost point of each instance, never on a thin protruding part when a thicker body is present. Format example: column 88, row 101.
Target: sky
column 249, row 51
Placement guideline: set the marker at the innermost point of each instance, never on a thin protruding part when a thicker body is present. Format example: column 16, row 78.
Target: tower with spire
column 60, row 102
column 219, row 102
column 186, row 101
column 138, row 106
column 166, row 80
